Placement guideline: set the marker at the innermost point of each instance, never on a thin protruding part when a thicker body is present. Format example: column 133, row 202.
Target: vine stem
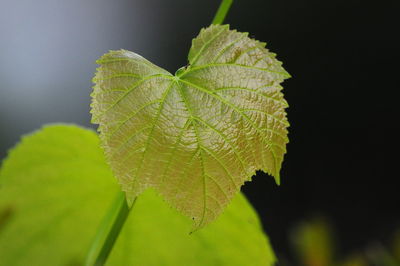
column 108, row 231
column 222, row 11
column 116, row 216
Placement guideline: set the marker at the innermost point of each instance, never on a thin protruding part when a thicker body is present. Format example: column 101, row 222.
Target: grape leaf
column 198, row 135
column 56, row 187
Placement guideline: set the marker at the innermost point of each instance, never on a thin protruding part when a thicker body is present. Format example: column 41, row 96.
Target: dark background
column 342, row 160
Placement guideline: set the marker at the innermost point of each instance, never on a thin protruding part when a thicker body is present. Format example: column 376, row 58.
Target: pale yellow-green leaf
column 198, row 135
column 55, row 188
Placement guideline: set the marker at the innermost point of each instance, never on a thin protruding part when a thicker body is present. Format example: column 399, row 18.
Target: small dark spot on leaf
column 5, row 215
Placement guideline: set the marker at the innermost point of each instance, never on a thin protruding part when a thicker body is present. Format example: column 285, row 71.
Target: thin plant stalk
column 108, row 231
column 222, row 11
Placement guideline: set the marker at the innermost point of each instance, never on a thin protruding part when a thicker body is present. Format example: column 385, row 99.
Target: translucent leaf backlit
column 198, row 135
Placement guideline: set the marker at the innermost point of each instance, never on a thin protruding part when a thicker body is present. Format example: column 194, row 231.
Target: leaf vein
column 222, row 52
column 205, row 45
column 135, row 85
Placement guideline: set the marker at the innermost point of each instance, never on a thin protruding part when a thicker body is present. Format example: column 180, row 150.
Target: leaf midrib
column 199, row 145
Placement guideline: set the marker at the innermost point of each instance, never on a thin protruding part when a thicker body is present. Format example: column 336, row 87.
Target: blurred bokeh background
column 342, row 161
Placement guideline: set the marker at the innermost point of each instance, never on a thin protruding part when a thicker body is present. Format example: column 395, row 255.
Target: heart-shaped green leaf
column 55, row 188
column 198, row 135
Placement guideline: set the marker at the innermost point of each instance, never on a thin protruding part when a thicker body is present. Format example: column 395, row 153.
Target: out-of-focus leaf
column 58, row 187
column 160, row 235
column 198, row 135
column 313, row 243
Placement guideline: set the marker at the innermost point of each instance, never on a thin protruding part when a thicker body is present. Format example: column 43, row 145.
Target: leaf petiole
column 108, row 231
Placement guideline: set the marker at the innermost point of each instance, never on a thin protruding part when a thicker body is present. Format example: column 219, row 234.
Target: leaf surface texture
column 198, row 135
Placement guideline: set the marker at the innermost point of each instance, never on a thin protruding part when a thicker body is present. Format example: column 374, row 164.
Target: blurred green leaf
column 217, row 120
column 59, row 187
column 313, row 243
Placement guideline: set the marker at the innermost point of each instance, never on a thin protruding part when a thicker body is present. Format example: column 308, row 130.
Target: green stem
column 108, row 231
column 222, row 11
